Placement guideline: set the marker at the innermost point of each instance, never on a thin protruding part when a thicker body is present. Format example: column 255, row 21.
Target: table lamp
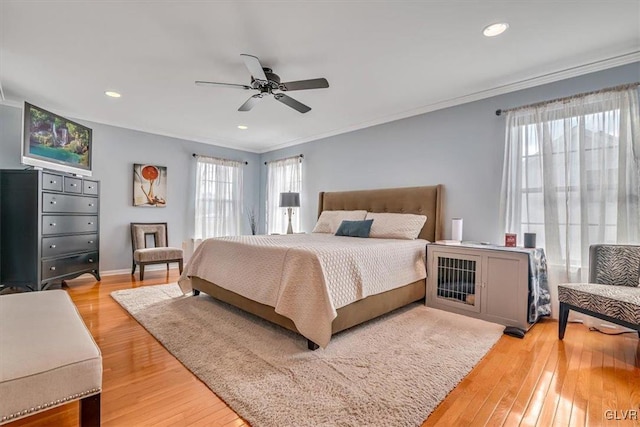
column 289, row 200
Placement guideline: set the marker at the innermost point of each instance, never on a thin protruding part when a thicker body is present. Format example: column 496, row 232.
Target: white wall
column 115, row 152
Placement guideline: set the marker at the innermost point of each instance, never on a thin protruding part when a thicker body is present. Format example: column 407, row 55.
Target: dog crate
column 457, row 280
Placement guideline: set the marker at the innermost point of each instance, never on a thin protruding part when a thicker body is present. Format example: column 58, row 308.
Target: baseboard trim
column 128, row 270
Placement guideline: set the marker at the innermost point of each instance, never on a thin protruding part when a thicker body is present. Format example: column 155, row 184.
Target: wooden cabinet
column 487, row 283
column 49, row 228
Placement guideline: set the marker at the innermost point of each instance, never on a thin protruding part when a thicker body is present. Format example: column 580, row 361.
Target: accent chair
column 159, row 253
column 613, row 293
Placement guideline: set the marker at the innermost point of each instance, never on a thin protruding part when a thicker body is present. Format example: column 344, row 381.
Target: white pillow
column 329, row 221
column 396, row 225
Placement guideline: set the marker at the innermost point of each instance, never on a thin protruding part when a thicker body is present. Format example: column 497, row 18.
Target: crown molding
column 555, row 76
column 226, row 144
column 451, row 102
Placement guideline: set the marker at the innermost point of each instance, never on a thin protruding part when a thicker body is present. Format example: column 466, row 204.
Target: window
column 571, row 174
column 282, row 176
column 218, row 197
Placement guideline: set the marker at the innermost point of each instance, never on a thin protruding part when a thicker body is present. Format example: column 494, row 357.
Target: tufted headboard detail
column 414, row 200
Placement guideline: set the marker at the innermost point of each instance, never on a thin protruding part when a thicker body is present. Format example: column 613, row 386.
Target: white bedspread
column 306, row 277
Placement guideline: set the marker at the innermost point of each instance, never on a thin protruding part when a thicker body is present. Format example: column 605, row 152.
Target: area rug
column 392, row 371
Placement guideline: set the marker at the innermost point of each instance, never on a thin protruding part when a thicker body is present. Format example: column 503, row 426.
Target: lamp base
column 290, row 228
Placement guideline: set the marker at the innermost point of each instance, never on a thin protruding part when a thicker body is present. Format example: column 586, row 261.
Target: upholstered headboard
column 415, row 200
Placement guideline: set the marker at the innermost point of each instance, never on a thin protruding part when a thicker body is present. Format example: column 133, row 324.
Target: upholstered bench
column 47, row 357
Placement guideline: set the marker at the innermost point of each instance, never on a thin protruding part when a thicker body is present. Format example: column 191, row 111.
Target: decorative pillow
column 355, row 228
column 329, row 221
column 396, row 225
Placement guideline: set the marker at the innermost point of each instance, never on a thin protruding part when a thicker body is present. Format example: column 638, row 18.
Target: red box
column 510, row 240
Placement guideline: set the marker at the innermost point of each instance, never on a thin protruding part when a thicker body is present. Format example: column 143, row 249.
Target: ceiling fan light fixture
column 495, row 29
column 112, row 94
column 243, row 127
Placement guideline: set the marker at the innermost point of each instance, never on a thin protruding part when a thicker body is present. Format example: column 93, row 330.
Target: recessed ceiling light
column 243, row 127
column 112, row 94
column 495, row 29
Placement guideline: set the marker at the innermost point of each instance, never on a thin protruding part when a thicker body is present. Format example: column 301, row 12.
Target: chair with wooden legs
column 159, row 253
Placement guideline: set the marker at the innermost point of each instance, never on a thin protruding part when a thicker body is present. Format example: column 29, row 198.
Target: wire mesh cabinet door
column 455, row 280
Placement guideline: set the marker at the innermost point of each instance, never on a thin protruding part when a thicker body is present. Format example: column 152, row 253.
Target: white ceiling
column 384, row 59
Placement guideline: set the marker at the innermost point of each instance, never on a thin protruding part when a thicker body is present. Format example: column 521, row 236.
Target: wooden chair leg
column 133, row 268
column 167, row 266
column 141, row 272
column 90, row 411
column 180, row 266
column 562, row 322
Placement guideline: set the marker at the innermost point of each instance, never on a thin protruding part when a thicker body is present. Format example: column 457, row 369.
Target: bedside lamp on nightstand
column 289, row 200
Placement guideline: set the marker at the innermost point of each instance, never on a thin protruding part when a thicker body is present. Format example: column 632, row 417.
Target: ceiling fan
column 265, row 81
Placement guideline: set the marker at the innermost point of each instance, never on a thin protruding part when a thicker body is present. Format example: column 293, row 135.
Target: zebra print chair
column 613, row 293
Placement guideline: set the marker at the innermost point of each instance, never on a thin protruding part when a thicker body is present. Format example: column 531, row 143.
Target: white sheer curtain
column 218, row 197
column 572, row 175
column 283, row 176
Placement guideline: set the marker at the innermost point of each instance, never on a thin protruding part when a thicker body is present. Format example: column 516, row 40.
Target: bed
column 426, row 200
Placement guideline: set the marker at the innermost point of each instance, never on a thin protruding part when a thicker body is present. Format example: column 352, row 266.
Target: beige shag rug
column 392, row 371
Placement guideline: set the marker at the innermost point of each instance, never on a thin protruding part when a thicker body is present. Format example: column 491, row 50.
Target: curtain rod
column 568, row 98
column 219, row 158
column 299, row 155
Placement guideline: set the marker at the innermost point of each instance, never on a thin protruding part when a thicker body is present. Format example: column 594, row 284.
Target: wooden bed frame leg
column 196, row 292
column 312, row 346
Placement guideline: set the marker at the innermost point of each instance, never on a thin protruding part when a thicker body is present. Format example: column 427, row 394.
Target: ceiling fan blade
column 296, row 105
column 305, row 84
column 254, row 67
column 251, row 102
column 202, row 83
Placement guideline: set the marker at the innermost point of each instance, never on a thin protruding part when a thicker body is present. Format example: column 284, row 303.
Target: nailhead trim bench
column 47, row 357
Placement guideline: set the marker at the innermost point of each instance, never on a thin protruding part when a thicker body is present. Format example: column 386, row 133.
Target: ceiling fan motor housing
column 273, row 81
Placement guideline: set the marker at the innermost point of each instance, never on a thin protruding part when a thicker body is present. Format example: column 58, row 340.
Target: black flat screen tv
column 50, row 141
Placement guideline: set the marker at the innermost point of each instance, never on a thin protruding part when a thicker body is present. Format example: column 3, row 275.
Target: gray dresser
column 49, row 228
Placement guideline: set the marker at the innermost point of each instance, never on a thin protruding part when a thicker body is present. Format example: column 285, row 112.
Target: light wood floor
column 535, row 381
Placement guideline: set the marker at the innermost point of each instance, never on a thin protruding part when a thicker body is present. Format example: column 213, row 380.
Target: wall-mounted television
column 50, row 141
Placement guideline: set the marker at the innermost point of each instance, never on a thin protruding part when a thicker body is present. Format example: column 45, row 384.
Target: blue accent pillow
column 355, row 228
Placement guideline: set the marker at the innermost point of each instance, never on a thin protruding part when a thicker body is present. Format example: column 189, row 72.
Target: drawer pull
column 52, row 268
column 91, row 205
column 89, row 187
column 53, row 182
column 74, row 185
column 53, row 202
column 90, row 241
column 90, row 259
column 90, row 223
column 53, row 224
column 52, row 246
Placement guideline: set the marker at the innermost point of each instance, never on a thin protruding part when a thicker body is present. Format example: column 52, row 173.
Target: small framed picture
column 510, row 240
column 149, row 185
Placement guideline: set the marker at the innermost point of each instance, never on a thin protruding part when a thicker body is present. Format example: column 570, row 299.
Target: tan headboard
column 416, row 200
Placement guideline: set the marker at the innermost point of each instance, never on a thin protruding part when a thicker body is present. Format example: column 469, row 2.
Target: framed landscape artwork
column 149, row 185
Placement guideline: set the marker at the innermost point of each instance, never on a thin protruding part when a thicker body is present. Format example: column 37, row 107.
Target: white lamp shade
column 289, row 200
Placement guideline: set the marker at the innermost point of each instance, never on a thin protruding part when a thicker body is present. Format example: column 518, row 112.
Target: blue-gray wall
column 115, row 151
column 461, row 147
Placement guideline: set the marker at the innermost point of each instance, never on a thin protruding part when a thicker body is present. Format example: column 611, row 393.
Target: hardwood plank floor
column 534, row 381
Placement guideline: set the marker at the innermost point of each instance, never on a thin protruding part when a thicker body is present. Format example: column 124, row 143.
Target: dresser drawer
column 69, row 265
column 72, row 185
column 90, row 187
column 51, row 182
column 64, row 224
column 55, row 246
column 68, row 203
